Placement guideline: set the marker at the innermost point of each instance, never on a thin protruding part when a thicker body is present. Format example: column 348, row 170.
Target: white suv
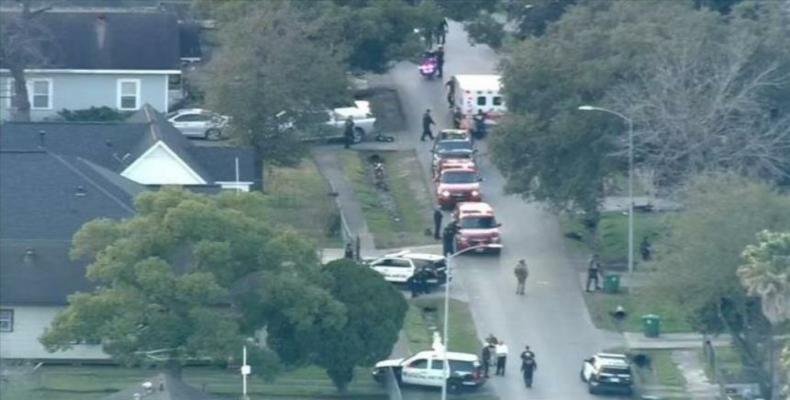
column 402, row 266
column 197, row 122
column 607, row 372
column 426, row 368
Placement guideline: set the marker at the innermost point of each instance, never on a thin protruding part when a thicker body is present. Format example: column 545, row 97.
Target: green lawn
column 93, row 383
column 299, row 197
column 611, row 239
column 403, row 221
column 636, row 304
column 662, row 371
column 419, row 331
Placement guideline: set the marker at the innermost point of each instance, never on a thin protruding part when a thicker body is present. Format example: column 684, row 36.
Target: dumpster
column 651, row 325
column 611, row 283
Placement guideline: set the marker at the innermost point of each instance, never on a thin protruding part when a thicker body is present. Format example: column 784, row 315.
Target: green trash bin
column 651, row 325
column 611, row 283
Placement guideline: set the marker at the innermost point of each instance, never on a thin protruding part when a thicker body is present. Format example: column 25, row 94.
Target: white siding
column 30, row 323
column 160, row 166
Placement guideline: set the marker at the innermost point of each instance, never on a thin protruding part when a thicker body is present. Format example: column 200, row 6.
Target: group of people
column 495, row 353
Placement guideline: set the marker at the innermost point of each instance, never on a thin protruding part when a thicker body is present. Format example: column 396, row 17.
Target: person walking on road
column 448, row 238
column 450, row 85
column 521, row 273
column 593, row 272
column 501, row 358
column 439, row 61
column 348, row 133
column 437, row 222
column 485, row 356
column 441, row 31
column 528, row 365
column 427, row 121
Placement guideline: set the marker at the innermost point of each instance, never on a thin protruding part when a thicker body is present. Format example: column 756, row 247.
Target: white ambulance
column 479, row 92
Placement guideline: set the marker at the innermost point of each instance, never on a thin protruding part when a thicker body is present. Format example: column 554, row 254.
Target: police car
column 426, row 368
column 607, row 372
column 402, row 266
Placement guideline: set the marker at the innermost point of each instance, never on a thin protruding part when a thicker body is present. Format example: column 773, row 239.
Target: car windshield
column 478, row 223
column 459, row 177
column 457, row 156
column 452, row 145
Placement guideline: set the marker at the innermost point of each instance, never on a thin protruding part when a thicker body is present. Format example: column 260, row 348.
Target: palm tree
column 766, row 274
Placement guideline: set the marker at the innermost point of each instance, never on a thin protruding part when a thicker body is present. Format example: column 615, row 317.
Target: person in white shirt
column 501, row 358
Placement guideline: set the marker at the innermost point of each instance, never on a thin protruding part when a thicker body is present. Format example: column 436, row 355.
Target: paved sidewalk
column 351, row 211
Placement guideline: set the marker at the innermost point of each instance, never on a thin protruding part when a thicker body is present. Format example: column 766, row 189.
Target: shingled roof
column 114, row 40
column 44, row 199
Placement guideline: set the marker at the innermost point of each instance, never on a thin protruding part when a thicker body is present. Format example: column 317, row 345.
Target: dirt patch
column 386, row 106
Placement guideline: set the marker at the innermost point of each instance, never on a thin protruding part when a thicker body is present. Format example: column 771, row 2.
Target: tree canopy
column 189, row 277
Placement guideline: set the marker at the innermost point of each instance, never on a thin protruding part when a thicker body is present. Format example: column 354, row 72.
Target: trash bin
column 651, row 325
column 611, row 283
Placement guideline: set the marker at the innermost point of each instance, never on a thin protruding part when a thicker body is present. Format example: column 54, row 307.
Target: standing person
column 450, row 85
column 349, row 252
column 441, row 31
column 427, row 121
column 448, row 238
column 593, row 272
column 348, row 133
column 501, row 357
column 414, row 286
column 439, row 53
column 528, row 365
column 437, row 222
column 485, row 356
column 521, row 273
column 479, row 120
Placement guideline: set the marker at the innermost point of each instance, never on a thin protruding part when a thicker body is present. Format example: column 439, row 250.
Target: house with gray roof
column 100, row 57
column 145, row 149
column 44, row 199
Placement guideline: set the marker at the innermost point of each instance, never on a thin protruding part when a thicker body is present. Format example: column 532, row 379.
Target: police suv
column 607, row 372
column 402, row 266
column 426, row 368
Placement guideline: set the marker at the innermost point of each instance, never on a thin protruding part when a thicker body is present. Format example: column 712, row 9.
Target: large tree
column 697, row 263
column 266, row 63
column 165, row 277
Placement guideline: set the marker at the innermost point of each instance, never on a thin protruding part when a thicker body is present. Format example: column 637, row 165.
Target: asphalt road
column 551, row 317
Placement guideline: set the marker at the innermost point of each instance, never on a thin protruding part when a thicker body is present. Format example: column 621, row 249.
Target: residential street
column 552, row 317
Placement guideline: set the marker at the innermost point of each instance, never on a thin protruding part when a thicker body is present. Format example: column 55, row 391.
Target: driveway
column 552, row 317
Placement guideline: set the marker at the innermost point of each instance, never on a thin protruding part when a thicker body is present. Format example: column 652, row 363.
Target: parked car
column 453, row 162
column 477, row 225
column 454, row 134
column 426, row 368
column 451, row 148
column 199, row 123
column 607, row 372
column 455, row 185
column 402, row 266
column 330, row 124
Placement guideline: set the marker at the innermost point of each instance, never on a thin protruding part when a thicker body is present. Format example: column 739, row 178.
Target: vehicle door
column 416, row 372
column 394, row 269
column 437, row 373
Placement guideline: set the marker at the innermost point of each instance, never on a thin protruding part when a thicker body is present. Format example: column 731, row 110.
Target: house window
column 6, row 320
column 128, row 94
column 40, row 94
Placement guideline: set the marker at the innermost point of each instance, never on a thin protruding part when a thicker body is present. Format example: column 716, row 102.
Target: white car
column 364, row 121
column 607, row 372
column 198, row 123
column 426, row 368
column 402, row 266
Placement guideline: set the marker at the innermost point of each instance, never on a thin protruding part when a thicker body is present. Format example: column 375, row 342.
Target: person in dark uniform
column 528, row 365
column 441, row 31
column 593, row 272
column 450, row 85
column 485, row 356
column 439, row 53
column 427, row 121
column 348, row 133
column 448, row 238
column 437, row 222
column 349, row 252
column 414, row 286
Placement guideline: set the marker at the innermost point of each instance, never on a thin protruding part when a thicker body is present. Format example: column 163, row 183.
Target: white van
column 479, row 92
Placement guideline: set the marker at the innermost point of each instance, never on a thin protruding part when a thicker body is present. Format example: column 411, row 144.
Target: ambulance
column 479, row 92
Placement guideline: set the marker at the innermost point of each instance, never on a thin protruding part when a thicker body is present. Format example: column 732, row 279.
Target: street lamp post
column 630, row 178
column 445, row 338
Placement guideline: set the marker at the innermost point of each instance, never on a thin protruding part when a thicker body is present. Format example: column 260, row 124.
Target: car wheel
column 359, row 135
column 454, row 386
column 213, row 134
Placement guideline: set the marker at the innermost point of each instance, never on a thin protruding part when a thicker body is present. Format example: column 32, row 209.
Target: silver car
column 198, row 123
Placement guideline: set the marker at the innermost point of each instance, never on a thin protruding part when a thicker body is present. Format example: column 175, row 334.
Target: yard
column 96, row 382
column 425, row 316
column 299, row 197
column 399, row 216
column 636, row 304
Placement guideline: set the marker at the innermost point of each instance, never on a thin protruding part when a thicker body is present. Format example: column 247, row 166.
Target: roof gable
column 111, row 40
column 159, row 165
